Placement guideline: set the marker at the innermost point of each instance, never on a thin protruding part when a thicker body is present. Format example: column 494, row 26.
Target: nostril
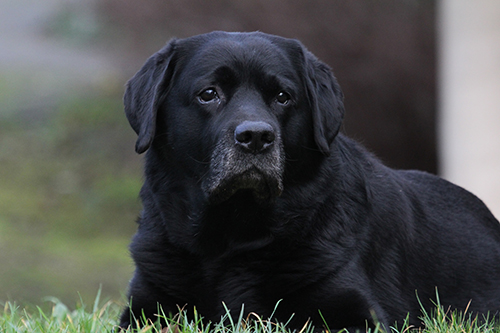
column 268, row 137
column 254, row 136
column 243, row 136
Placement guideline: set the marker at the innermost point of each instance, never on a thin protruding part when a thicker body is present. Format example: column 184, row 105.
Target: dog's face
column 237, row 111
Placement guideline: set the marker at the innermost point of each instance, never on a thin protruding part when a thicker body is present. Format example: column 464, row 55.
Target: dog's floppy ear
column 326, row 99
column 144, row 92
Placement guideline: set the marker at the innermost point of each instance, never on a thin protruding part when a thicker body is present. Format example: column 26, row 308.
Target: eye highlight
column 283, row 98
column 208, row 95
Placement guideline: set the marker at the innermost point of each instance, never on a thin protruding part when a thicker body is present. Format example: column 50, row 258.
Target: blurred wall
column 470, row 96
column 382, row 53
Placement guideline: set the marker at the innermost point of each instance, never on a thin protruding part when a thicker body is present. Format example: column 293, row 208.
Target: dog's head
column 235, row 110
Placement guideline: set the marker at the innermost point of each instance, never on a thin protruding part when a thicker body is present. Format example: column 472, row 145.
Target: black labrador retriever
column 252, row 196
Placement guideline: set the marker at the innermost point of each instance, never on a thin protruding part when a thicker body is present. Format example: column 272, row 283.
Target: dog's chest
column 241, row 278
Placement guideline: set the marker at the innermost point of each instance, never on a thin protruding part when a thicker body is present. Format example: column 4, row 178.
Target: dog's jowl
column 252, row 196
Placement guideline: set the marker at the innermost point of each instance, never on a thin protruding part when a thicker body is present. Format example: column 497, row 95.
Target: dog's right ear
column 144, row 93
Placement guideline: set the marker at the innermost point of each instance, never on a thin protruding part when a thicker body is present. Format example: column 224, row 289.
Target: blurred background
column 69, row 177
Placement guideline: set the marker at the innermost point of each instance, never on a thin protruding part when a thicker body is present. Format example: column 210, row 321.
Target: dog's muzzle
column 251, row 158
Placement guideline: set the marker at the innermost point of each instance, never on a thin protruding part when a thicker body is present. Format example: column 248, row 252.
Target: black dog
column 251, row 196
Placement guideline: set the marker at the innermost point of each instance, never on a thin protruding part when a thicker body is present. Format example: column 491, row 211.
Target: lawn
column 102, row 317
column 69, row 184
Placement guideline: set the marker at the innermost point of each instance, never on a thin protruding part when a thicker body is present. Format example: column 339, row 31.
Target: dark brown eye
column 208, row 95
column 283, row 98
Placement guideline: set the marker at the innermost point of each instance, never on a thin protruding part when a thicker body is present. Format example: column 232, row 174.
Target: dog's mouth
column 263, row 187
column 234, row 170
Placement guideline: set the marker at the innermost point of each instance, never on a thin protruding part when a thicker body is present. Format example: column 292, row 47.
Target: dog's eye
column 208, row 95
column 283, row 98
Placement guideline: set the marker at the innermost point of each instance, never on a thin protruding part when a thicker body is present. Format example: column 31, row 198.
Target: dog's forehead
column 244, row 51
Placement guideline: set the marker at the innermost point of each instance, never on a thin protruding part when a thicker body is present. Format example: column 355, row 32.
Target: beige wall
column 469, row 127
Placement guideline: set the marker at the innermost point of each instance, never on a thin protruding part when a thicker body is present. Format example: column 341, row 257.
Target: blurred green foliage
column 69, row 184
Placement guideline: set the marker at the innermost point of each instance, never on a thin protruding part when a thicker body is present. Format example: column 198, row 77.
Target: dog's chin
column 263, row 188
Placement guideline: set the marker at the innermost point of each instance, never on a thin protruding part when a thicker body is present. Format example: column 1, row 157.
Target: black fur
column 309, row 217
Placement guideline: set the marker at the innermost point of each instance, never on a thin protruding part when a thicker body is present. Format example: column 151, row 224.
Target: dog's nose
column 254, row 136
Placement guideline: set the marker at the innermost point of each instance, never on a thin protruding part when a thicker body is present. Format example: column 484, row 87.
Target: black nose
column 254, row 136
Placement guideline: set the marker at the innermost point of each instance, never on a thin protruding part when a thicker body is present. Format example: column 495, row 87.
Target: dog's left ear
column 144, row 93
column 326, row 100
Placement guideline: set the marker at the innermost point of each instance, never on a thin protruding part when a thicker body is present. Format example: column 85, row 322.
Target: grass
column 68, row 198
column 59, row 319
column 442, row 320
column 103, row 315
column 69, row 185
